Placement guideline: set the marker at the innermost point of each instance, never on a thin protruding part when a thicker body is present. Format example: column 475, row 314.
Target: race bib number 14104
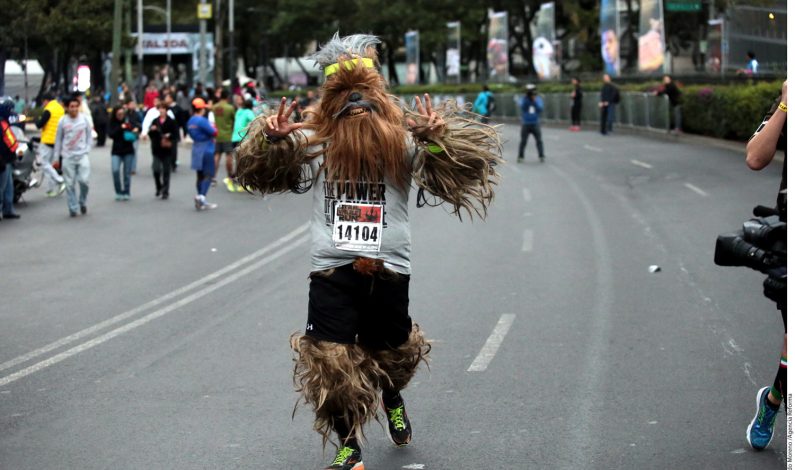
column 357, row 227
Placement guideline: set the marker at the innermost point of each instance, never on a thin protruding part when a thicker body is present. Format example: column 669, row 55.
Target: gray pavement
column 147, row 335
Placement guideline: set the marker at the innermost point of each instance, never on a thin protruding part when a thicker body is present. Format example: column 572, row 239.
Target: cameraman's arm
column 761, row 149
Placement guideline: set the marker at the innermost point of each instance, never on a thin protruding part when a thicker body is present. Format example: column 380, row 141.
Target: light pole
column 232, row 64
column 116, row 59
column 140, row 50
column 202, row 48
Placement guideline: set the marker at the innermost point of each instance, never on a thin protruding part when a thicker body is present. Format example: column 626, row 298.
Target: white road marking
column 641, row 164
column 207, row 289
column 527, row 241
column 489, row 350
column 526, row 195
column 696, row 190
column 414, row 466
column 592, row 148
column 153, row 303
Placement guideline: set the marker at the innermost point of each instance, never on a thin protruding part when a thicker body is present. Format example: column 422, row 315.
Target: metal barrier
column 636, row 110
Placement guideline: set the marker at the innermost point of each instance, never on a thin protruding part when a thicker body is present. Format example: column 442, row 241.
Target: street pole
column 202, row 49
column 232, row 64
column 116, row 51
column 168, row 35
column 140, row 50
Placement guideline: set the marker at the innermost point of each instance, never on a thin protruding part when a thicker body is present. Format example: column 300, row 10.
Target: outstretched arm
column 272, row 156
column 456, row 156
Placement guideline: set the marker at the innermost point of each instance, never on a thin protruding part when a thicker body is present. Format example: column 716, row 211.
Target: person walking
column 202, row 155
column 8, row 153
column 164, row 133
column 674, row 103
column 124, row 131
column 576, row 105
column 48, row 123
column 484, row 104
column 243, row 117
column 225, row 122
column 176, row 111
column 531, row 107
column 99, row 113
column 608, row 99
column 135, row 117
column 72, row 144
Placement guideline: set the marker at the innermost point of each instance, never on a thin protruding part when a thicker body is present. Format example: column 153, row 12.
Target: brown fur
column 368, row 266
column 343, row 381
column 464, row 174
column 401, row 363
column 367, row 147
column 272, row 168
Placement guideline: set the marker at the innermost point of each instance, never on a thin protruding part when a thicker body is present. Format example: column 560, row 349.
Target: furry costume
column 356, row 136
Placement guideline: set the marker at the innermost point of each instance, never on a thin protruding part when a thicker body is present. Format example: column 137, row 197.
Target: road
column 148, row 335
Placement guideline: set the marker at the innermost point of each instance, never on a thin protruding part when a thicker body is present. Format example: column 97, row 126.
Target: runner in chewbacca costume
column 359, row 151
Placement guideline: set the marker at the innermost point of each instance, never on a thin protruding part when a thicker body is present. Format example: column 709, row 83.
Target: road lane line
column 641, row 164
column 154, row 315
column 153, row 303
column 489, row 350
column 696, row 190
column 527, row 241
column 526, row 195
column 592, row 148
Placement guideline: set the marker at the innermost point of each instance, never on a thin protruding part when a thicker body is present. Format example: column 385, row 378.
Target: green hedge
column 727, row 111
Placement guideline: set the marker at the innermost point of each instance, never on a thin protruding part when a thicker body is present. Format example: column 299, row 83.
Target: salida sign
column 181, row 43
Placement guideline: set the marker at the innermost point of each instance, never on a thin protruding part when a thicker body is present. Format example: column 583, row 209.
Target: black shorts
column 223, row 147
column 347, row 307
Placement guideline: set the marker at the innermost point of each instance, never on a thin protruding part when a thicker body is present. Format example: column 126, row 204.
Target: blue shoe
column 760, row 431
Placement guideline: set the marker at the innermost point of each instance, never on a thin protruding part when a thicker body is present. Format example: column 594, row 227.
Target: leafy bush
column 727, row 111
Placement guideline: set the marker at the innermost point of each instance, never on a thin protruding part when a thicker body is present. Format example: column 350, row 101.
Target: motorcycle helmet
column 6, row 107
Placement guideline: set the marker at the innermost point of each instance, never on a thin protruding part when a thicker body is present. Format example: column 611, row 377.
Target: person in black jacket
column 99, row 114
column 608, row 100
column 576, row 105
column 164, row 134
column 674, row 103
column 124, row 129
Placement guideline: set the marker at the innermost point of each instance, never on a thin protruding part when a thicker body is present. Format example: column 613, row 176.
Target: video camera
column 762, row 246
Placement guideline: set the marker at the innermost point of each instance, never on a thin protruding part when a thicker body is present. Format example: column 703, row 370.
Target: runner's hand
column 278, row 124
column 784, row 92
column 435, row 124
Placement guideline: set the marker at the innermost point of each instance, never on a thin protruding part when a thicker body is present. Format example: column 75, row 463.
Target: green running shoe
column 760, row 431
column 348, row 458
column 399, row 425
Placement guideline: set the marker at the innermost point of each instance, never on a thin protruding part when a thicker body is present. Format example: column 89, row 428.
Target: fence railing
column 636, row 110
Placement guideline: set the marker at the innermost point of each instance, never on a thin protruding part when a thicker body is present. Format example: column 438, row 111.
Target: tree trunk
column 218, row 70
column 3, row 57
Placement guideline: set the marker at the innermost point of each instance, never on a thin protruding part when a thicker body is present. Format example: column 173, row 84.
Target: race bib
column 358, row 227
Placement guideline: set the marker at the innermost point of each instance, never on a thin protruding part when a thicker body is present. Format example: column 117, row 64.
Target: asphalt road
column 147, row 335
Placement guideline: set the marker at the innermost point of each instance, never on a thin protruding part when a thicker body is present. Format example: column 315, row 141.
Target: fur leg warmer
column 344, row 381
column 339, row 381
column 400, row 364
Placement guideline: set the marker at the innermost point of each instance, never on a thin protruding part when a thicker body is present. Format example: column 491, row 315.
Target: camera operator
column 769, row 137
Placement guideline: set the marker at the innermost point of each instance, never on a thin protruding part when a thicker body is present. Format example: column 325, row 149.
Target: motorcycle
column 27, row 172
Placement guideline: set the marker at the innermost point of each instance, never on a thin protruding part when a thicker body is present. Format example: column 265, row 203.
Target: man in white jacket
column 73, row 142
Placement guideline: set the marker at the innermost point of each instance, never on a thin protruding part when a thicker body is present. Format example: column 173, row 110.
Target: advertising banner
column 497, row 47
column 651, row 39
column 453, row 56
column 544, row 59
column 716, row 47
column 610, row 33
column 412, row 58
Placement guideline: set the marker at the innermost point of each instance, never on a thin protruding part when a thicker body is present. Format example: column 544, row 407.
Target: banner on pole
column 544, row 58
column 412, row 58
column 453, row 56
column 716, row 47
column 610, row 33
column 651, row 42
column 497, row 48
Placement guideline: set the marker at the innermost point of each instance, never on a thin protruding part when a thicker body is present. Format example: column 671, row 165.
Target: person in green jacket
column 224, row 114
column 243, row 117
